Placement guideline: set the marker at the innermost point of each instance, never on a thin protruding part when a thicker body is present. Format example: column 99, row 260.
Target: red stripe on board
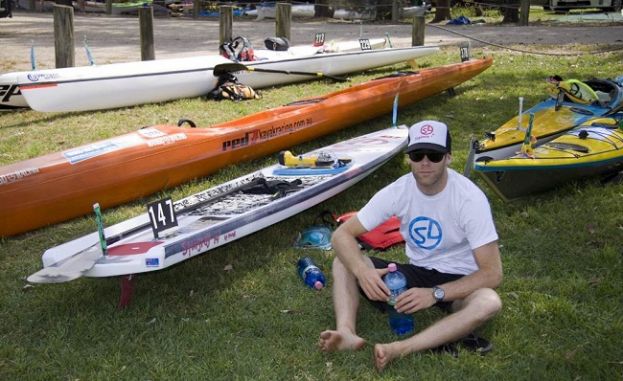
column 37, row 86
column 132, row 248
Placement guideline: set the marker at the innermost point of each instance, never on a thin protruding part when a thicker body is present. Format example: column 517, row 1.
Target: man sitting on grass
column 451, row 244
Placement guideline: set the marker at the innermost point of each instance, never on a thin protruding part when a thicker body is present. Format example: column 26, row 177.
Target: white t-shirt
column 440, row 231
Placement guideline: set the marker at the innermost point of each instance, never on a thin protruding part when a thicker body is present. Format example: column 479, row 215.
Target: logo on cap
column 427, row 129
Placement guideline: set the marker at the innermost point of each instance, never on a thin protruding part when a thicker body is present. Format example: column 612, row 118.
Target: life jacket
column 238, row 49
column 575, row 90
column 380, row 238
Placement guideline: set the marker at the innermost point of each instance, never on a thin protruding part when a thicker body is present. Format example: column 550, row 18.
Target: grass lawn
column 562, row 253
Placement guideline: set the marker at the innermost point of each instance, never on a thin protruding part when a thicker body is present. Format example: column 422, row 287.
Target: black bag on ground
column 277, row 43
column 228, row 87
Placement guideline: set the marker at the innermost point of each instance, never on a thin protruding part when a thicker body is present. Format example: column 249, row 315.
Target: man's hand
column 415, row 299
column 371, row 282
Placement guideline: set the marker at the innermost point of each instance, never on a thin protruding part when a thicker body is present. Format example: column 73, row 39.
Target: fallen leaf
column 289, row 311
column 571, row 354
column 595, row 281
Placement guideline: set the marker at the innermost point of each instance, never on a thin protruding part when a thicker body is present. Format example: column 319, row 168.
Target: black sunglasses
column 434, row 157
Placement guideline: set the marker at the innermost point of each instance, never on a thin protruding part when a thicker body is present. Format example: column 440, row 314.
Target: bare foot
column 331, row 341
column 383, row 355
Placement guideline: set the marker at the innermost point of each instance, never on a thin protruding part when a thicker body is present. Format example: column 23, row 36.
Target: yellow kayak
column 552, row 117
column 591, row 149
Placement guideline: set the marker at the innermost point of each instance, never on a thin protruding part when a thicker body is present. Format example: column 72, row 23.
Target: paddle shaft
column 292, row 72
column 233, row 67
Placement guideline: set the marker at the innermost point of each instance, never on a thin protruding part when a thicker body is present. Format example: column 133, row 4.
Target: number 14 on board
column 162, row 215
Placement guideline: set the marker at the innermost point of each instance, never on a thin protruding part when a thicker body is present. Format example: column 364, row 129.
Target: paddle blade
column 88, row 52
column 33, row 63
column 469, row 163
column 232, row 67
column 526, row 147
column 395, row 111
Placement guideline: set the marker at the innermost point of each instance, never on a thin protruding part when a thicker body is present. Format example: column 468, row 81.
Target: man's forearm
column 463, row 287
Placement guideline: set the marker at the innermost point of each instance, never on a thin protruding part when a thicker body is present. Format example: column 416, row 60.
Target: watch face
column 438, row 293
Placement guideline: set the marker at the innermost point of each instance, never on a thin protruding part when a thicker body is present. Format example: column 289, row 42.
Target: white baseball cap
column 429, row 135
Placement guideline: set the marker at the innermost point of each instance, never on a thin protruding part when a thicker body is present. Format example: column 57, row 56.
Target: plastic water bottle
column 400, row 323
column 310, row 273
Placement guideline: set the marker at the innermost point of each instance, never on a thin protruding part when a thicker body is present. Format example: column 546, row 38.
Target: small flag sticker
column 152, row 262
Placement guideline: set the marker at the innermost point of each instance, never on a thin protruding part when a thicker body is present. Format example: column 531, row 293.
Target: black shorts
column 416, row 277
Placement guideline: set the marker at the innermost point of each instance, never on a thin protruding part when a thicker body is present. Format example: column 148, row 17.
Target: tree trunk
column 510, row 11
column 442, row 11
column 383, row 9
column 322, row 9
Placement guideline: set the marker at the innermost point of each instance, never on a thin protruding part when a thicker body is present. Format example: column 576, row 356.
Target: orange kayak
column 64, row 185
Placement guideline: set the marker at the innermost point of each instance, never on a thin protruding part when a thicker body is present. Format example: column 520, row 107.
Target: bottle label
column 394, row 294
column 308, row 268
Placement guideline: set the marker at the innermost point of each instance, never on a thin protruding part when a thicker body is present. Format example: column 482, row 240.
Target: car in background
column 565, row 5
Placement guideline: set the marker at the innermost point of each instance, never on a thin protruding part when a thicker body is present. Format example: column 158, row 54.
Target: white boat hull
column 209, row 220
column 128, row 84
column 10, row 95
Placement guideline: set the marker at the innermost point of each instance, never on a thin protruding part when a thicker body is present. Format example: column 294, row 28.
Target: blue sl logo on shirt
column 425, row 232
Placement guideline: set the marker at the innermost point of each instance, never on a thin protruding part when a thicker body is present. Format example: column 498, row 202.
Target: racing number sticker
column 162, row 215
column 364, row 43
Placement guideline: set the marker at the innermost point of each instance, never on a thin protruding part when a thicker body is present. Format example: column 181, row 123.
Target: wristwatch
column 438, row 293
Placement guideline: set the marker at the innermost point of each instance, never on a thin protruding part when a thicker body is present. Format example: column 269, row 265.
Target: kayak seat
column 607, row 91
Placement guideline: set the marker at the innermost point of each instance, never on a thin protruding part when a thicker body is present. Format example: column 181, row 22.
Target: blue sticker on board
column 152, row 262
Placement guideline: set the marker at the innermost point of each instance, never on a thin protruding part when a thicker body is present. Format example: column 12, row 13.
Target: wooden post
column 524, row 12
column 417, row 37
column 283, row 19
column 64, row 36
column 196, row 8
column 396, row 10
column 108, row 7
column 146, row 23
column 226, row 21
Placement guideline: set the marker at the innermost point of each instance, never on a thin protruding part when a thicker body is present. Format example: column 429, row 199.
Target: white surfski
column 218, row 215
column 133, row 83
